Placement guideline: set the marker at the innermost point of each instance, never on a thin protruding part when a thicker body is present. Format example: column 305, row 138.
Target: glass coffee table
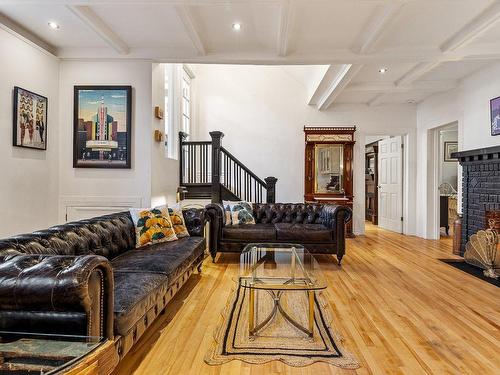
column 35, row 353
column 276, row 269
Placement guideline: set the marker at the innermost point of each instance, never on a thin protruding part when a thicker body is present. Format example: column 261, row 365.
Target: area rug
column 279, row 340
column 471, row 270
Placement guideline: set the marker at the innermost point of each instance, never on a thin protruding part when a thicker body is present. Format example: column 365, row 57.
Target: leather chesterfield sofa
column 87, row 278
column 319, row 227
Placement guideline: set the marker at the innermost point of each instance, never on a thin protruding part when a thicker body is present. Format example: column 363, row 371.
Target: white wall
column 29, row 178
column 165, row 171
column 469, row 106
column 262, row 112
column 107, row 184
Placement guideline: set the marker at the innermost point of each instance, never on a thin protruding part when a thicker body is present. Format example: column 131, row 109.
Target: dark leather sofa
column 319, row 227
column 87, row 278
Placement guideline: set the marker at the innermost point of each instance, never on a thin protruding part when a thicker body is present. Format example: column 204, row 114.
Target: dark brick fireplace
column 480, row 190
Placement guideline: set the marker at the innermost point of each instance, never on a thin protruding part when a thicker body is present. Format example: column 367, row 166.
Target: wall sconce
column 158, row 136
column 158, row 112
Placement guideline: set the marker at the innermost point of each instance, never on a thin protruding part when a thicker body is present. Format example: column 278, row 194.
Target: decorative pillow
column 152, row 225
column 241, row 213
column 175, row 212
column 227, row 211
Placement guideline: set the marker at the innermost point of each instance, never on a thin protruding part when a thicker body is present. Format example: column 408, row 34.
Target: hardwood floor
column 400, row 310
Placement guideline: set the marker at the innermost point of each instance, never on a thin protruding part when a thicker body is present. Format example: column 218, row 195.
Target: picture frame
column 449, row 148
column 495, row 116
column 29, row 119
column 102, row 127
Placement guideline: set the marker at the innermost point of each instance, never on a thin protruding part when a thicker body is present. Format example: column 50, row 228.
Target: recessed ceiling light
column 53, row 25
column 410, row 101
column 383, row 70
column 236, row 26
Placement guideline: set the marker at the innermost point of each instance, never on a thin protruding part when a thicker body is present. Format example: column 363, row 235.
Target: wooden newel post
column 271, row 189
column 216, row 165
column 182, row 139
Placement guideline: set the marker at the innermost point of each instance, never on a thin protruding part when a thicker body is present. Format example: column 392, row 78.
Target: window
column 166, row 112
column 186, row 102
column 177, row 112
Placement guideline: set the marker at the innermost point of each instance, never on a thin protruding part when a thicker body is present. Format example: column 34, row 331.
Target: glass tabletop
column 23, row 352
column 279, row 266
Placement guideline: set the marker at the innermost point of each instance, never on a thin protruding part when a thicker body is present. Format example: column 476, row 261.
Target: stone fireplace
column 480, row 190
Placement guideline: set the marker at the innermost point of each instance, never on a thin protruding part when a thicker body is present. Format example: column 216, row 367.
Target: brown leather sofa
column 87, row 278
column 319, row 227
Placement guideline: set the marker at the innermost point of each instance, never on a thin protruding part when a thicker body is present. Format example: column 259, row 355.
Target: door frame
column 408, row 150
column 433, row 178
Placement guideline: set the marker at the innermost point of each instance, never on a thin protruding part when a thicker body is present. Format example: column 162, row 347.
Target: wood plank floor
column 400, row 310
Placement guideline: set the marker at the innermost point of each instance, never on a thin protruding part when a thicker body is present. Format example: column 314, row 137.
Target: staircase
column 209, row 171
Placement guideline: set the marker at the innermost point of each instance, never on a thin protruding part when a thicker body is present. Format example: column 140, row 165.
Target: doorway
column 384, row 181
column 443, row 176
column 447, row 179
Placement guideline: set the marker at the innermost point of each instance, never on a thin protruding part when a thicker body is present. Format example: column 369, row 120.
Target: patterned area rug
column 279, row 340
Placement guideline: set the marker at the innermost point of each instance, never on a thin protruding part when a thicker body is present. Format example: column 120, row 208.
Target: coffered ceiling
column 426, row 46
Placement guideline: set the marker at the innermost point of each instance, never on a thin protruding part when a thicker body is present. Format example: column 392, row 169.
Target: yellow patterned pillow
column 177, row 218
column 152, row 225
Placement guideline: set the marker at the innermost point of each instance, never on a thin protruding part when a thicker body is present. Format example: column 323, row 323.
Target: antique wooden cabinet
column 328, row 176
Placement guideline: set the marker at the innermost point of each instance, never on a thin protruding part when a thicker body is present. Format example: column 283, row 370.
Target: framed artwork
column 450, row 148
column 102, row 127
column 30, row 119
column 495, row 116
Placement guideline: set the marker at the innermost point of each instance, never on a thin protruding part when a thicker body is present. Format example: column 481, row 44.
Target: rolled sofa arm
column 45, row 286
column 217, row 220
column 335, row 217
column 195, row 219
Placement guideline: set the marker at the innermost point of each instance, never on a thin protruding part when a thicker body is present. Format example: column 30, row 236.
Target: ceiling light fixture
column 383, row 70
column 411, row 101
column 236, row 26
column 53, row 25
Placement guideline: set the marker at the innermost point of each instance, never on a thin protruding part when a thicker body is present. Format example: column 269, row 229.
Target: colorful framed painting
column 30, row 119
column 450, row 148
column 495, row 116
column 102, row 127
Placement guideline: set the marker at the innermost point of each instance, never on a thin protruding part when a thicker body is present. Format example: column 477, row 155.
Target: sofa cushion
column 152, row 225
column 167, row 258
column 135, row 294
column 302, row 232
column 257, row 232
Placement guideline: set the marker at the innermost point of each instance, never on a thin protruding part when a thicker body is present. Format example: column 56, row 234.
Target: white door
column 390, row 184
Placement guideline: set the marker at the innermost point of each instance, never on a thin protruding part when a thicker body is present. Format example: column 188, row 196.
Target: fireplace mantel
column 480, row 189
column 477, row 154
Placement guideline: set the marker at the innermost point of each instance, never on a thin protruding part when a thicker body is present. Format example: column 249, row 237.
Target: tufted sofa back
column 108, row 235
column 303, row 213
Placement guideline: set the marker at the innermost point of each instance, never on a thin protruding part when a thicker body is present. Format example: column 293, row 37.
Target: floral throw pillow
column 241, row 213
column 152, row 225
column 175, row 212
column 227, row 211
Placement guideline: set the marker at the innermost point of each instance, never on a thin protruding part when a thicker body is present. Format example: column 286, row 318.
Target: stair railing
column 207, row 162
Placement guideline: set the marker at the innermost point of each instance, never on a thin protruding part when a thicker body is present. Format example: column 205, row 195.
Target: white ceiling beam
column 195, row 2
column 330, row 74
column 16, row 29
column 287, row 19
column 168, row 55
column 92, row 20
column 189, row 23
column 416, row 72
column 343, row 78
column 376, row 28
column 474, row 28
column 431, row 86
